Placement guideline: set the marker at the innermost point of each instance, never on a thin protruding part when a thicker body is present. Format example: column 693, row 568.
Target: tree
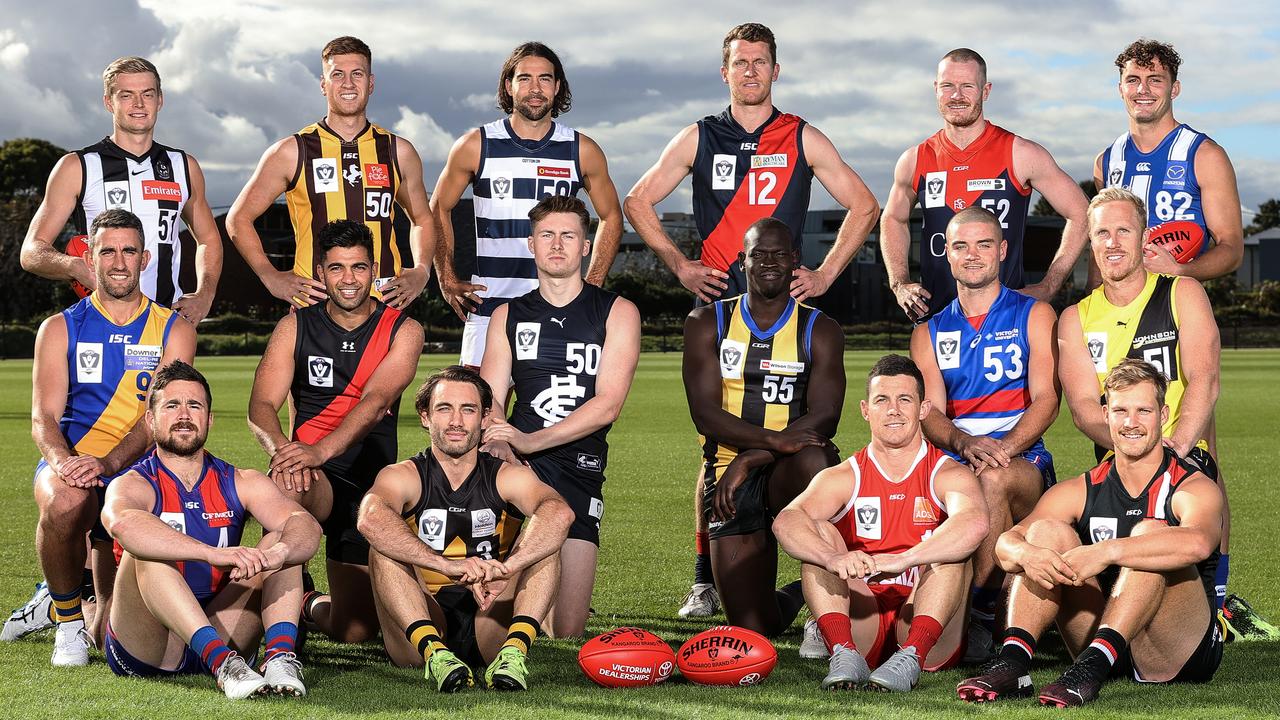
column 1044, row 209
column 1268, row 216
column 25, row 164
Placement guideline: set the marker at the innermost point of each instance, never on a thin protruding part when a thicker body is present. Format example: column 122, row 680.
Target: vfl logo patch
column 88, row 362
column 935, row 189
column 1097, row 344
column 527, row 334
column 324, row 175
column 732, row 356
column 1102, row 528
column 501, row 187
column 175, row 520
column 431, row 528
column 723, row 170
column 319, row 371
column 947, row 350
column 1116, row 175
column 866, row 516
column 117, row 194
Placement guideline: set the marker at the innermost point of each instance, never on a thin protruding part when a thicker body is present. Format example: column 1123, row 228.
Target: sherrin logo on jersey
column 160, row 190
column 555, row 172
column 947, row 349
column 527, row 334
column 319, row 371
column 777, row 160
column 723, row 170
column 376, row 175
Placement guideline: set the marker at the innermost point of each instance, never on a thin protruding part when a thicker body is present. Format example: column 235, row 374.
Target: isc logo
column 120, row 338
column 748, row 146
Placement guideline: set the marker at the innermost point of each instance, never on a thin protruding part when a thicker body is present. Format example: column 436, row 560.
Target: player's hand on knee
column 81, row 471
column 705, row 282
column 296, row 456
column 985, row 450
column 1048, row 568
column 1087, row 561
column 792, row 441
column 853, row 564
column 723, row 506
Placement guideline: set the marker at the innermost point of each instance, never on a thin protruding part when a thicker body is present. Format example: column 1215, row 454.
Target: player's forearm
column 208, row 266
column 1074, row 240
column 822, row 420
column 49, row 440
column 443, row 258
column 1010, row 547
column 543, row 534
column 248, row 243
column 1032, row 426
column 422, row 244
column 1161, row 549
column 942, row 431
column 39, row 258
column 147, row 537
column 850, row 237
column 1198, row 400
column 1214, row 263
column 300, row 534
column 369, row 411
column 799, row 538
column 604, row 249
column 895, row 244
column 644, row 220
column 594, row 414
column 129, row 449
column 954, row 540
column 388, row 533
column 727, row 429
column 264, row 423
column 1089, row 418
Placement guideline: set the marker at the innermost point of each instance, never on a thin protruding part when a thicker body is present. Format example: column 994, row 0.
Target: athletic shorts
column 473, row 337
column 126, row 665
column 737, row 282
column 1199, row 668
column 750, row 502
column 1038, row 455
column 890, row 598
column 350, row 480
column 460, row 609
column 98, row 533
column 1200, row 459
column 582, row 489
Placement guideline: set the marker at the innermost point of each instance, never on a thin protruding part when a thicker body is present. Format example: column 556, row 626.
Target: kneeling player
column 884, row 539
column 765, row 380
column 1123, row 557
column 185, row 582
column 445, row 562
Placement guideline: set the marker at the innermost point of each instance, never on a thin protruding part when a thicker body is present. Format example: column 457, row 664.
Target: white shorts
column 473, row 336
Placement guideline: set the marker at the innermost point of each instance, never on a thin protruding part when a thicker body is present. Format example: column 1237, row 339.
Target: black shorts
column 1199, row 668
column 750, row 502
column 1200, row 459
column 351, row 475
column 582, row 489
column 460, row 609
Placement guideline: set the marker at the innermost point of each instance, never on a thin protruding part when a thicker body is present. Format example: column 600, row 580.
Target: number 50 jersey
column 555, row 357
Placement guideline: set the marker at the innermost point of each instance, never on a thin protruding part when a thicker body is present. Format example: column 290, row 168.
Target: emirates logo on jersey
column 160, row 190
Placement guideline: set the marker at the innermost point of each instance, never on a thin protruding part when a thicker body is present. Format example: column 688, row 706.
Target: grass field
column 645, row 569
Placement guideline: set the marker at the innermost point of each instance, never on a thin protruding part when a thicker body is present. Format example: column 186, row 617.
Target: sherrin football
column 76, row 247
column 727, row 655
column 1182, row 238
column 626, row 657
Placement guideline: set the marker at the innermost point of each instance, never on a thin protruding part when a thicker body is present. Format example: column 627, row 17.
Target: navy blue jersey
column 1164, row 178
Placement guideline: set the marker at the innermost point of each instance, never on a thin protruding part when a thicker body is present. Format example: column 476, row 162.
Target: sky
column 238, row 75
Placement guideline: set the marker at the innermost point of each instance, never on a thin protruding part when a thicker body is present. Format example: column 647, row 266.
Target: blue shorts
column 1038, row 455
column 126, row 665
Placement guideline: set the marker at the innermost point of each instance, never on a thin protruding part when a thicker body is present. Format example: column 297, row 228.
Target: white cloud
column 431, row 140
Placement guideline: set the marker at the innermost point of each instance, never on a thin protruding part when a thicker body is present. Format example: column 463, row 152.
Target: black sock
column 790, row 600
column 1107, row 647
column 702, row 569
column 1018, row 648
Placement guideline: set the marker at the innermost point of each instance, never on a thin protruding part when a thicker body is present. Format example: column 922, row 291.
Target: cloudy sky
column 240, row 74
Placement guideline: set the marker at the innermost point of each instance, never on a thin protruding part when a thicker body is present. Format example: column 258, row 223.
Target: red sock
column 701, row 543
column 835, row 631
column 924, row 633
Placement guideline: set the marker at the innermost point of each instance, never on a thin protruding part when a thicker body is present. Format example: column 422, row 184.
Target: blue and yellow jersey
column 109, row 369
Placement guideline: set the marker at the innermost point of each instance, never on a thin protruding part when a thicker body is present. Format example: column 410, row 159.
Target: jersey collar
column 777, row 325
column 325, row 126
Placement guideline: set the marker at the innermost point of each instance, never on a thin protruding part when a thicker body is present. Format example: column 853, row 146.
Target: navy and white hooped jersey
column 555, row 358
column 1164, row 178
column 514, row 174
column 985, row 368
column 210, row 512
column 155, row 187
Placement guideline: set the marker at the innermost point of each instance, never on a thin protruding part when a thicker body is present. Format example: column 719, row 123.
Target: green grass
column 645, row 567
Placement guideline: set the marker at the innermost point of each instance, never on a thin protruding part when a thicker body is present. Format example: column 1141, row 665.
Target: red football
column 626, row 657
column 1182, row 238
column 76, row 247
column 727, row 655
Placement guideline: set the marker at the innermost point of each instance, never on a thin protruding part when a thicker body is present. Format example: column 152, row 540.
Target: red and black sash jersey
column 332, row 365
column 740, row 177
column 210, row 512
column 950, row 179
column 1110, row 512
column 472, row 521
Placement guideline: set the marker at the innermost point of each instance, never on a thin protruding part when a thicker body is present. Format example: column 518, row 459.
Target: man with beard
column 345, row 363
column 1122, row 557
column 128, row 170
column 342, row 167
column 989, row 362
column 510, row 165
column 457, row 583
column 569, row 351
column 885, row 540
column 971, row 162
column 750, row 162
column 764, row 375
column 188, row 594
column 93, row 364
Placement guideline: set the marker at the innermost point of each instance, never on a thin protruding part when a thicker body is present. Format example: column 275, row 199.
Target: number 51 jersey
column 555, row 358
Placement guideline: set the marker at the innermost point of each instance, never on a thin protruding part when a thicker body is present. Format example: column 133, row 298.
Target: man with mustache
column 971, row 162
column 93, row 365
column 510, row 165
column 189, row 595
column 344, row 362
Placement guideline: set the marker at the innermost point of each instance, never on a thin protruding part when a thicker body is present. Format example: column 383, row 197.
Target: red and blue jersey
column 984, row 367
column 210, row 512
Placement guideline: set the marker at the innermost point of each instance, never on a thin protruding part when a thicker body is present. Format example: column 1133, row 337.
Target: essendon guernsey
column 740, row 177
column 950, row 179
column 332, row 366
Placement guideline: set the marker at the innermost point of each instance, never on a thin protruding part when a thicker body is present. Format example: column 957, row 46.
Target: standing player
column 510, row 165
column 1121, row 557
column 885, row 539
column 749, row 162
column 989, row 364
column 345, row 363
column 93, row 365
column 340, row 168
column 1177, row 172
column 971, row 162
column 185, row 579
column 569, row 350
column 128, row 170
column 446, row 562
column 764, row 376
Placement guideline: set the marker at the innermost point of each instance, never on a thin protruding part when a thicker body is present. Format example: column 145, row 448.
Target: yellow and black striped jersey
column 336, row 180
column 764, row 372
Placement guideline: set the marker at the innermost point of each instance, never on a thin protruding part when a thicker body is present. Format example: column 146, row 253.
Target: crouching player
column 1123, row 557
column 454, row 586
column 185, row 582
column 885, row 538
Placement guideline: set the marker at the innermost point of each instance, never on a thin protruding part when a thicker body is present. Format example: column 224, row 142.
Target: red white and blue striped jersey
column 985, row 368
column 210, row 512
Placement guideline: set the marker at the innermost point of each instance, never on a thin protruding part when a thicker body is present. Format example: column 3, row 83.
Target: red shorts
column 889, row 600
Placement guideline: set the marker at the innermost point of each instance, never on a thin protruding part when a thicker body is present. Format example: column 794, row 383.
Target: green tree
column 25, row 164
column 1044, row 209
column 1268, row 217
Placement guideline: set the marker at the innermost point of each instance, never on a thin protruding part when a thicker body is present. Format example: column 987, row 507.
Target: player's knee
column 1054, row 534
column 65, row 509
column 351, row 630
